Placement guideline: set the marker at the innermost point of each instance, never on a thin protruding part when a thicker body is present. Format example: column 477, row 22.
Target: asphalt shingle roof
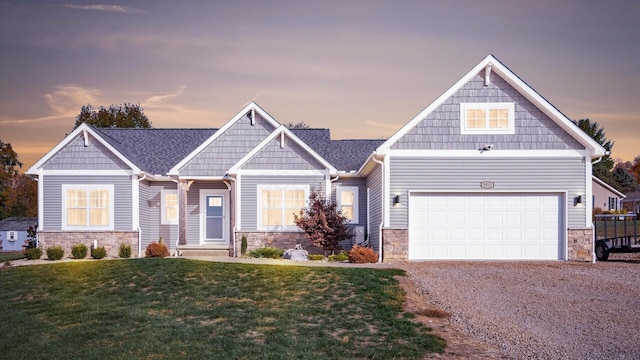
column 155, row 150
column 18, row 223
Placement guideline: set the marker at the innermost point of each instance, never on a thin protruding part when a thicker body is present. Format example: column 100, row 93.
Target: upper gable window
column 487, row 118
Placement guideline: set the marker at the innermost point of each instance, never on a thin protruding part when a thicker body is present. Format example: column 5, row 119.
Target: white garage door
column 486, row 226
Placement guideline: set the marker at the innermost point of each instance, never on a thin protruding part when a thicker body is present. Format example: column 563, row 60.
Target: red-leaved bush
column 156, row 250
column 362, row 255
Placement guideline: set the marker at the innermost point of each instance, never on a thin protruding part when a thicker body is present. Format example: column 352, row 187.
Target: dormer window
column 487, row 118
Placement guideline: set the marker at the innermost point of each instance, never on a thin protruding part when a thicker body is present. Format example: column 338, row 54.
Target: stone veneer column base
column 395, row 244
column 110, row 240
column 580, row 244
column 280, row 240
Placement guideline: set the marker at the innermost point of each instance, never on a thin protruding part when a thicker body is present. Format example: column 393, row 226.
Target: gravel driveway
column 540, row 310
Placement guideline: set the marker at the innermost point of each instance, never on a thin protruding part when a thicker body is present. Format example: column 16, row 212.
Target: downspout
column 381, row 204
column 593, row 236
column 138, row 227
column 226, row 180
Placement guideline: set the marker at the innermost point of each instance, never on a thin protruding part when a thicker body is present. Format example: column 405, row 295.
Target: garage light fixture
column 396, row 200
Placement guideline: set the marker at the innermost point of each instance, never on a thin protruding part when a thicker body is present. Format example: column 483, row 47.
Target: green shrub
column 315, row 257
column 267, row 252
column 33, row 253
column 243, row 245
column 79, row 251
column 340, row 257
column 99, row 252
column 362, row 255
column 124, row 251
column 157, row 249
column 55, row 252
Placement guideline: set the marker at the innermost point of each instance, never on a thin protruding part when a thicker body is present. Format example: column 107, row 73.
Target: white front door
column 214, row 217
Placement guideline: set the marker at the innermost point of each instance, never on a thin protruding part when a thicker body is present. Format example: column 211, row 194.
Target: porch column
column 182, row 211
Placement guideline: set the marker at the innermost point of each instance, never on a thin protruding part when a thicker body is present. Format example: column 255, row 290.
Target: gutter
column 226, row 180
column 138, row 227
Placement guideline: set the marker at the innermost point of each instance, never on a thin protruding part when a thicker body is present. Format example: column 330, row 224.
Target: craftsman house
column 489, row 170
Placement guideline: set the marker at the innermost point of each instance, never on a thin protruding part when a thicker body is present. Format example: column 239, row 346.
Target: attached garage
column 496, row 226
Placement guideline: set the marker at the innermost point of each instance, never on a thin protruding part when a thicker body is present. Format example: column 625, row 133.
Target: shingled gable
column 89, row 134
column 594, row 149
column 251, row 108
column 282, row 131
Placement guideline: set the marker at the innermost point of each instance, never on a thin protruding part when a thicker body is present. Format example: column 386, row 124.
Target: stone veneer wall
column 281, row 240
column 395, row 244
column 580, row 244
column 110, row 240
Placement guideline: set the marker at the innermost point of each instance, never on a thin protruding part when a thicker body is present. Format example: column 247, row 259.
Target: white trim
column 494, row 153
column 280, row 228
column 163, row 204
column 251, row 107
column 135, row 195
column 87, row 188
column 238, row 205
column 510, row 129
column 284, row 172
column 588, row 203
column 281, row 131
column 87, row 172
column 386, row 190
column 40, row 201
column 356, row 200
column 12, row 235
column 225, row 215
column 81, row 129
column 608, row 187
column 595, row 149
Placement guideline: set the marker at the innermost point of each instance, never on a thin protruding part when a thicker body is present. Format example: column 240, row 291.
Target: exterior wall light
column 396, row 200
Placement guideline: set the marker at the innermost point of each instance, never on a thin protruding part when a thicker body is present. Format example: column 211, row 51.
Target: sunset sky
column 361, row 68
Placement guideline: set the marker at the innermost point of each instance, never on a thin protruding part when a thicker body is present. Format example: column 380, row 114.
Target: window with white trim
column 487, row 118
column 87, row 207
column 277, row 205
column 12, row 235
column 169, row 206
column 347, row 199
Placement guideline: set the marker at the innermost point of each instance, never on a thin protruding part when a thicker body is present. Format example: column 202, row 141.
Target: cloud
column 159, row 99
column 108, row 8
column 383, row 126
column 68, row 99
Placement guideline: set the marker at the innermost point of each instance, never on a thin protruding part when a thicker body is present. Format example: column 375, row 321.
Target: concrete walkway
column 262, row 261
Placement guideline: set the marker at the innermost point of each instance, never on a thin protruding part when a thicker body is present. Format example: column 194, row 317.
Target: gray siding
column 193, row 208
column 374, row 184
column 292, row 157
column 249, row 193
column 145, row 216
column 52, row 197
column 230, row 147
column 75, row 156
column 441, row 128
column 360, row 183
column 550, row 174
column 155, row 229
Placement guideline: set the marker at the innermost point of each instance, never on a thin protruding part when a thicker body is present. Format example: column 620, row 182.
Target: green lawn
column 10, row 256
column 179, row 308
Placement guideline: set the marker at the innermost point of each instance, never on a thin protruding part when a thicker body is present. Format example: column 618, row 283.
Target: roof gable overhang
column 608, row 187
column 594, row 149
column 86, row 131
column 286, row 133
column 251, row 108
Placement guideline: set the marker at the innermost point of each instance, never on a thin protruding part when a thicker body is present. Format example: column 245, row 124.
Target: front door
column 214, row 220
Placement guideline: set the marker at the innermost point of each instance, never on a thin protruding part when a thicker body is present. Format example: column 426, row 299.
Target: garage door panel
column 485, row 226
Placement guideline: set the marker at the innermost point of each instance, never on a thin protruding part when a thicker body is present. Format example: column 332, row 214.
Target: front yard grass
column 180, row 308
column 4, row 257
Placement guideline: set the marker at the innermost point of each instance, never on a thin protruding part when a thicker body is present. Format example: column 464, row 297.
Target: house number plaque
column 487, row 184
